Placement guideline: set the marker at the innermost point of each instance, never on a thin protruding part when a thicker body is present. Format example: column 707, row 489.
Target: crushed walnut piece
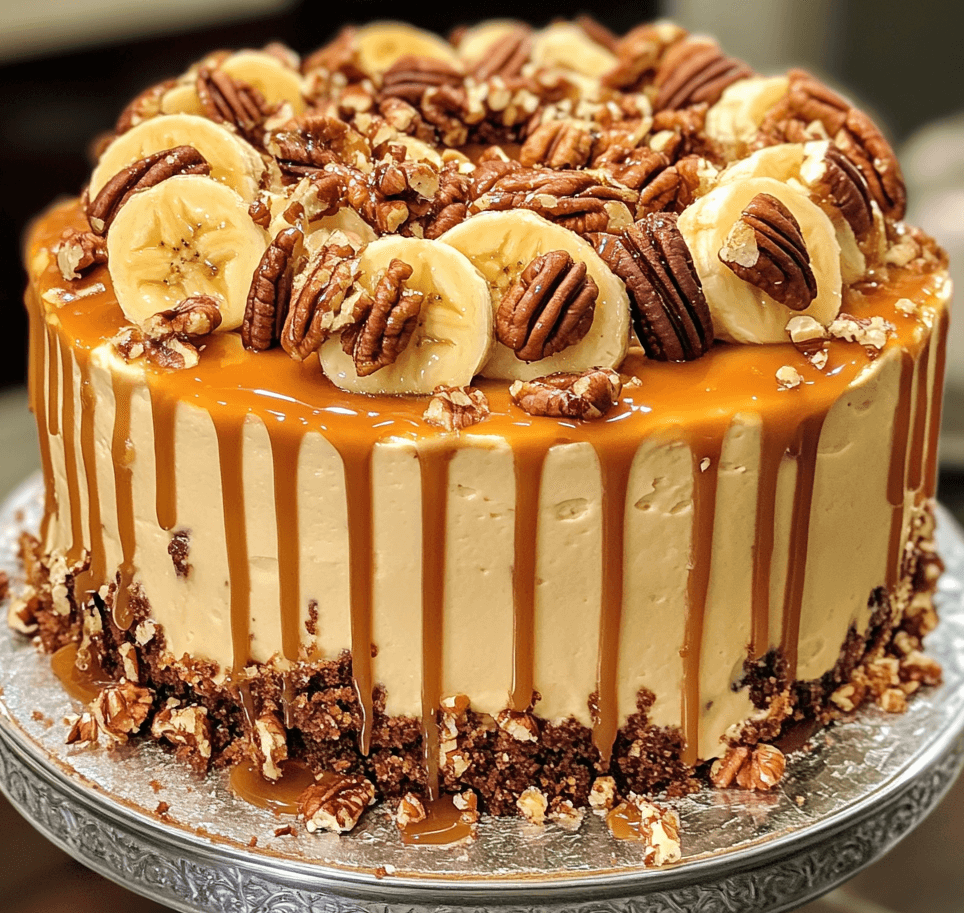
column 759, row 768
column 563, row 813
column 22, row 612
column 602, row 795
column 523, row 727
column 411, row 810
column 271, row 742
column 789, row 377
column 335, row 803
column 78, row 252
column 83, row 729
column 655, row 827
column 186, row 728
column 191, row 317
column 533, row 805
column 121, row 710
column 455, row 408
column 588, row 395
column 870, row 332
column 809, row 337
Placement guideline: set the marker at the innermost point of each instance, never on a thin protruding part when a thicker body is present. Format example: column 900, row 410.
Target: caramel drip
column 121, row 455
column 897, row 474
column 804, row 448
column 915, row 459
column 615, row 483
column 528, row 482
column 38, row 404
column 434, row 466
column 443, row 825
column 71, row 467
column 280, row 796
column 937, row 399
column 705, row 478
column 230, row 457
column 96, row 573
column 626, row 823
column 284, row 455
column 288, row 702
column 247, row 704
column 53, row 383
column 164, row 416
column 358, row 493
column 82, row 684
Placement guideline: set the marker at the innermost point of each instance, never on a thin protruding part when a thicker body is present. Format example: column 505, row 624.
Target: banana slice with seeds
column 186, row 236
column 454, row 332
column 380, row 44
column 233, row 161
column 501, row 245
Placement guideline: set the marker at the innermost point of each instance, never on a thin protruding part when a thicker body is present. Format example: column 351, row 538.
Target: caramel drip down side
column 230, row 433
column 358, row 493
column 706, row 472
column 122, row 455
column 96, row 572
column 804, row 450
column 434, row 467
column 443, row 825
column 915, row 461
column 528, row 463
column 164, row 415
column 284, row 454
column 897, row 474
column 281, row 796
column 71, row 464
column 38, row 404
column 937, row 399
column 53, row 383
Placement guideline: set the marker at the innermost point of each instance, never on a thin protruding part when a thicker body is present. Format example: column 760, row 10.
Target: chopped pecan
column 842, row 185
column 191, row 317
column 179, row 548
column 410, row 77
column 871, row 332
column 533, row 805
column 602, row 795
column 766, row 248
column 270, row 293
column 84, row 729
column 522, row 727
column 260, row 213
column 640, row 51
column 143, row 107
column 655, row 827
column 121, row 710
column 444, row 108
column 411, row 810
column 318, row 300
column 186, row 728
column 340, row 55
column 384, row 323
column 78, row 252
column 695, row 71
column 557, row 144
column 759, row 768
column 455, row 408
column 335, row 803
column 548, row 308
column 672, row 189
column 670, row 313
column 506, row 56
column 227, row 100
column 588, row 395
column 166, row 351
column 304, row 145
column 271, row 743
column 22, row 612
column 142, row 174
column 863, row 143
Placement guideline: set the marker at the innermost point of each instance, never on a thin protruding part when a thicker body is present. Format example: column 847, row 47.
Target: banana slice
column 568, row 47
column 233, row 161
column 186, row 236
column 454, row 332
column 736, row 117
column 380, row 44
column 501, row 245
column 742, row 312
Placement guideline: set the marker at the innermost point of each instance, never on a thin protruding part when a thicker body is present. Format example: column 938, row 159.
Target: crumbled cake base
column 316, row 704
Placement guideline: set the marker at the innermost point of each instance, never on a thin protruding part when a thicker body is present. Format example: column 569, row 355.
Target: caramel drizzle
column 71, row 468
column 284, row 454
column 528, row 463
column 937, row 400
column 434, row 466
column 230, row 433
column 164, row 416
column 804, row 448
column 705, row 479
column 53, row 383
column 443, row 825
column 358, row 493
column 896, row 477
column 39, row 338
column 121, row 457
column 916, row 458
column 96, row 571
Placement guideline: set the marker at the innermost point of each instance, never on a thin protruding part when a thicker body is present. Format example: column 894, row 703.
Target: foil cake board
column 847, row 797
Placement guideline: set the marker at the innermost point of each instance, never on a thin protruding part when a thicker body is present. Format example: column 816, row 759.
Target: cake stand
column 152, row 825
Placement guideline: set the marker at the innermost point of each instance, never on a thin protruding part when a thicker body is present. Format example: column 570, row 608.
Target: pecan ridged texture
column 305, row 145
column 587, row 395
column 766, row 248
column 78, row 252
column 227, row 100
column 455, row 408
column 141, row 175
column 548, row 308
column 557, row 144
column 410, row 77
column 506, row 56
column 385, row 323
column 270, row 293
column 335, row 803
column 695, row 71
column 640, row 51
column 318, row 307
column 843, row 186
column 143, row 107
column 197, row 315
column 669, row 310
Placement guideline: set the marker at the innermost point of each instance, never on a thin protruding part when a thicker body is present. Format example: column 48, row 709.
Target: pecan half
column 195, row 316
column 455, row 408
column 760, row 768
column 640, row 51
column 842, row 185
column 304, row 145
column 670, row 314
column 270, row 293
column 588, row 395
column 410, row 77
column 142, row 174
column 557, row 144
column 335, row 803
column 78, row 252
column 548, row 308
column 693, row 71
column 385, row 322
column 865, row 146
column 672, row 189
column 188, row 729
column 766, row 248
column 143, row 107
column 227, row 100
column 506, row 56
column 318, row 305
column 121, row 710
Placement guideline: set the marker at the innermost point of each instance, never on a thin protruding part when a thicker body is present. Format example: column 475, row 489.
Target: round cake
column 546, row 419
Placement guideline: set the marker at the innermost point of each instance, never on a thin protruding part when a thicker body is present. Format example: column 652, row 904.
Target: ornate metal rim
column 192, row 872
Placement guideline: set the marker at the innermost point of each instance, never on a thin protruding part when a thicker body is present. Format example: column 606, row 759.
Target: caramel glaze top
column 695, row 401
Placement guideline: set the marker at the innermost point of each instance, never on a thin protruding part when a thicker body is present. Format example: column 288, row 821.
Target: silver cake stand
column 848, row 797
